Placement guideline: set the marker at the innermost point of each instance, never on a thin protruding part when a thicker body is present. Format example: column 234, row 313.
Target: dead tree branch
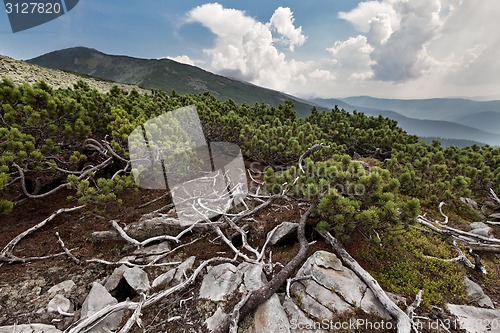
column 6, row 252
column 495, row 196
column 262, row 294
column 404, row 322
column 65, row 249
column 84, row 324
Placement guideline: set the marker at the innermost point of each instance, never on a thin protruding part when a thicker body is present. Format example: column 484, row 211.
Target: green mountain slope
column 464, row 133
column 487, row 121
column 163, row 74
column 448, row 109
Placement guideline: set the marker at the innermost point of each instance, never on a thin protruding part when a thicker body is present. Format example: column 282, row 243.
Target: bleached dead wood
column 495, row 196
column 85, row 324
column 262, row 294
column 404, row 322
column 6, row 253
column 65, row 249
column 309, row 151
column 459, row 235
column 441, row 204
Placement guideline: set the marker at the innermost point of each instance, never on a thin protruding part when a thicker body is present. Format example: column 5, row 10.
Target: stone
column 164, row 279
column 176, row 275
column 155, row 249
column 214, row 321
column 115, row 278
column 476, row 295
column 283, row 232
column 63, row 287
column 253, row 276
column 270, row 317
column 220, row 281
column 480, row 229
column 299, row 322
column 137, row 279
column 476, row 320
column 61, row 302
column 335, row 287
column 29, row 328
column 183, row 269
column 97, row 299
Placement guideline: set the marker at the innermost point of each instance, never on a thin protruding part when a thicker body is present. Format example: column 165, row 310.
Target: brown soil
column 23, row 286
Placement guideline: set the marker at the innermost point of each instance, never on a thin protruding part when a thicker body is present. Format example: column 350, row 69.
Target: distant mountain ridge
column 163, row 74
column 432, row 108
column 459, row 120
column 421, row 127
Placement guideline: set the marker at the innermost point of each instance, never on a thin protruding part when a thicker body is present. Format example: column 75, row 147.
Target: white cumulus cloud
column 282, row 20
column 244, row 47
column 183, row 59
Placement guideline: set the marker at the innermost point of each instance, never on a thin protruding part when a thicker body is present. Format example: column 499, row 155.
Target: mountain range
column 460, row 121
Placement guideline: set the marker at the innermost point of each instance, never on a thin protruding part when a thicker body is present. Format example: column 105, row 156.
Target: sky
column 307, row 48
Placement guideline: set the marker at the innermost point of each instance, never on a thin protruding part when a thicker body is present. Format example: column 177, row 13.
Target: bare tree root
column 262, row 294
column 404, row 322
column 6, row 253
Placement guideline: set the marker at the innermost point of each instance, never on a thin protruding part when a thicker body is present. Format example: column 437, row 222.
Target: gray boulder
column 137, row 279
column 60, row 302
column 63, row 287
column 176, row 275
column 333, row 289
column 476, row 320
column 283, row 232
column 115, row 278
column 480, row 229
column 98, row 299
column 476, row 295
column 220, row 281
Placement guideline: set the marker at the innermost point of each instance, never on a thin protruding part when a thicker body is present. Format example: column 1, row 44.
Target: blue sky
column 324, row 48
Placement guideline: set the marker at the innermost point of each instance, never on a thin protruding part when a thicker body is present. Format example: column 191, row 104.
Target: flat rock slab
column 283, row 232
column 60, row 302
column 220, row 281
column 333, row 289
column 270, row 317
column 29, row 328
column 476, row 295
column 299, row 322
column 137, row 279
column 63, row 287
column 97, row 299
column 115, row 278
column 476, row 320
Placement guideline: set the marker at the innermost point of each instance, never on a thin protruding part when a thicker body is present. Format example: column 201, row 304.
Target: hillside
column 163, row 74
column 488, row 121
column 448, row 109
column 349, row 188
column 463, row 133
column 22, row 72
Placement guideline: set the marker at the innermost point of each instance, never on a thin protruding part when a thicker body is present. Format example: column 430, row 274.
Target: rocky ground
column 64, row 292
column 58, row 291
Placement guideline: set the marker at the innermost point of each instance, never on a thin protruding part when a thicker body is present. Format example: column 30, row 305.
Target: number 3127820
column 33, row 8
